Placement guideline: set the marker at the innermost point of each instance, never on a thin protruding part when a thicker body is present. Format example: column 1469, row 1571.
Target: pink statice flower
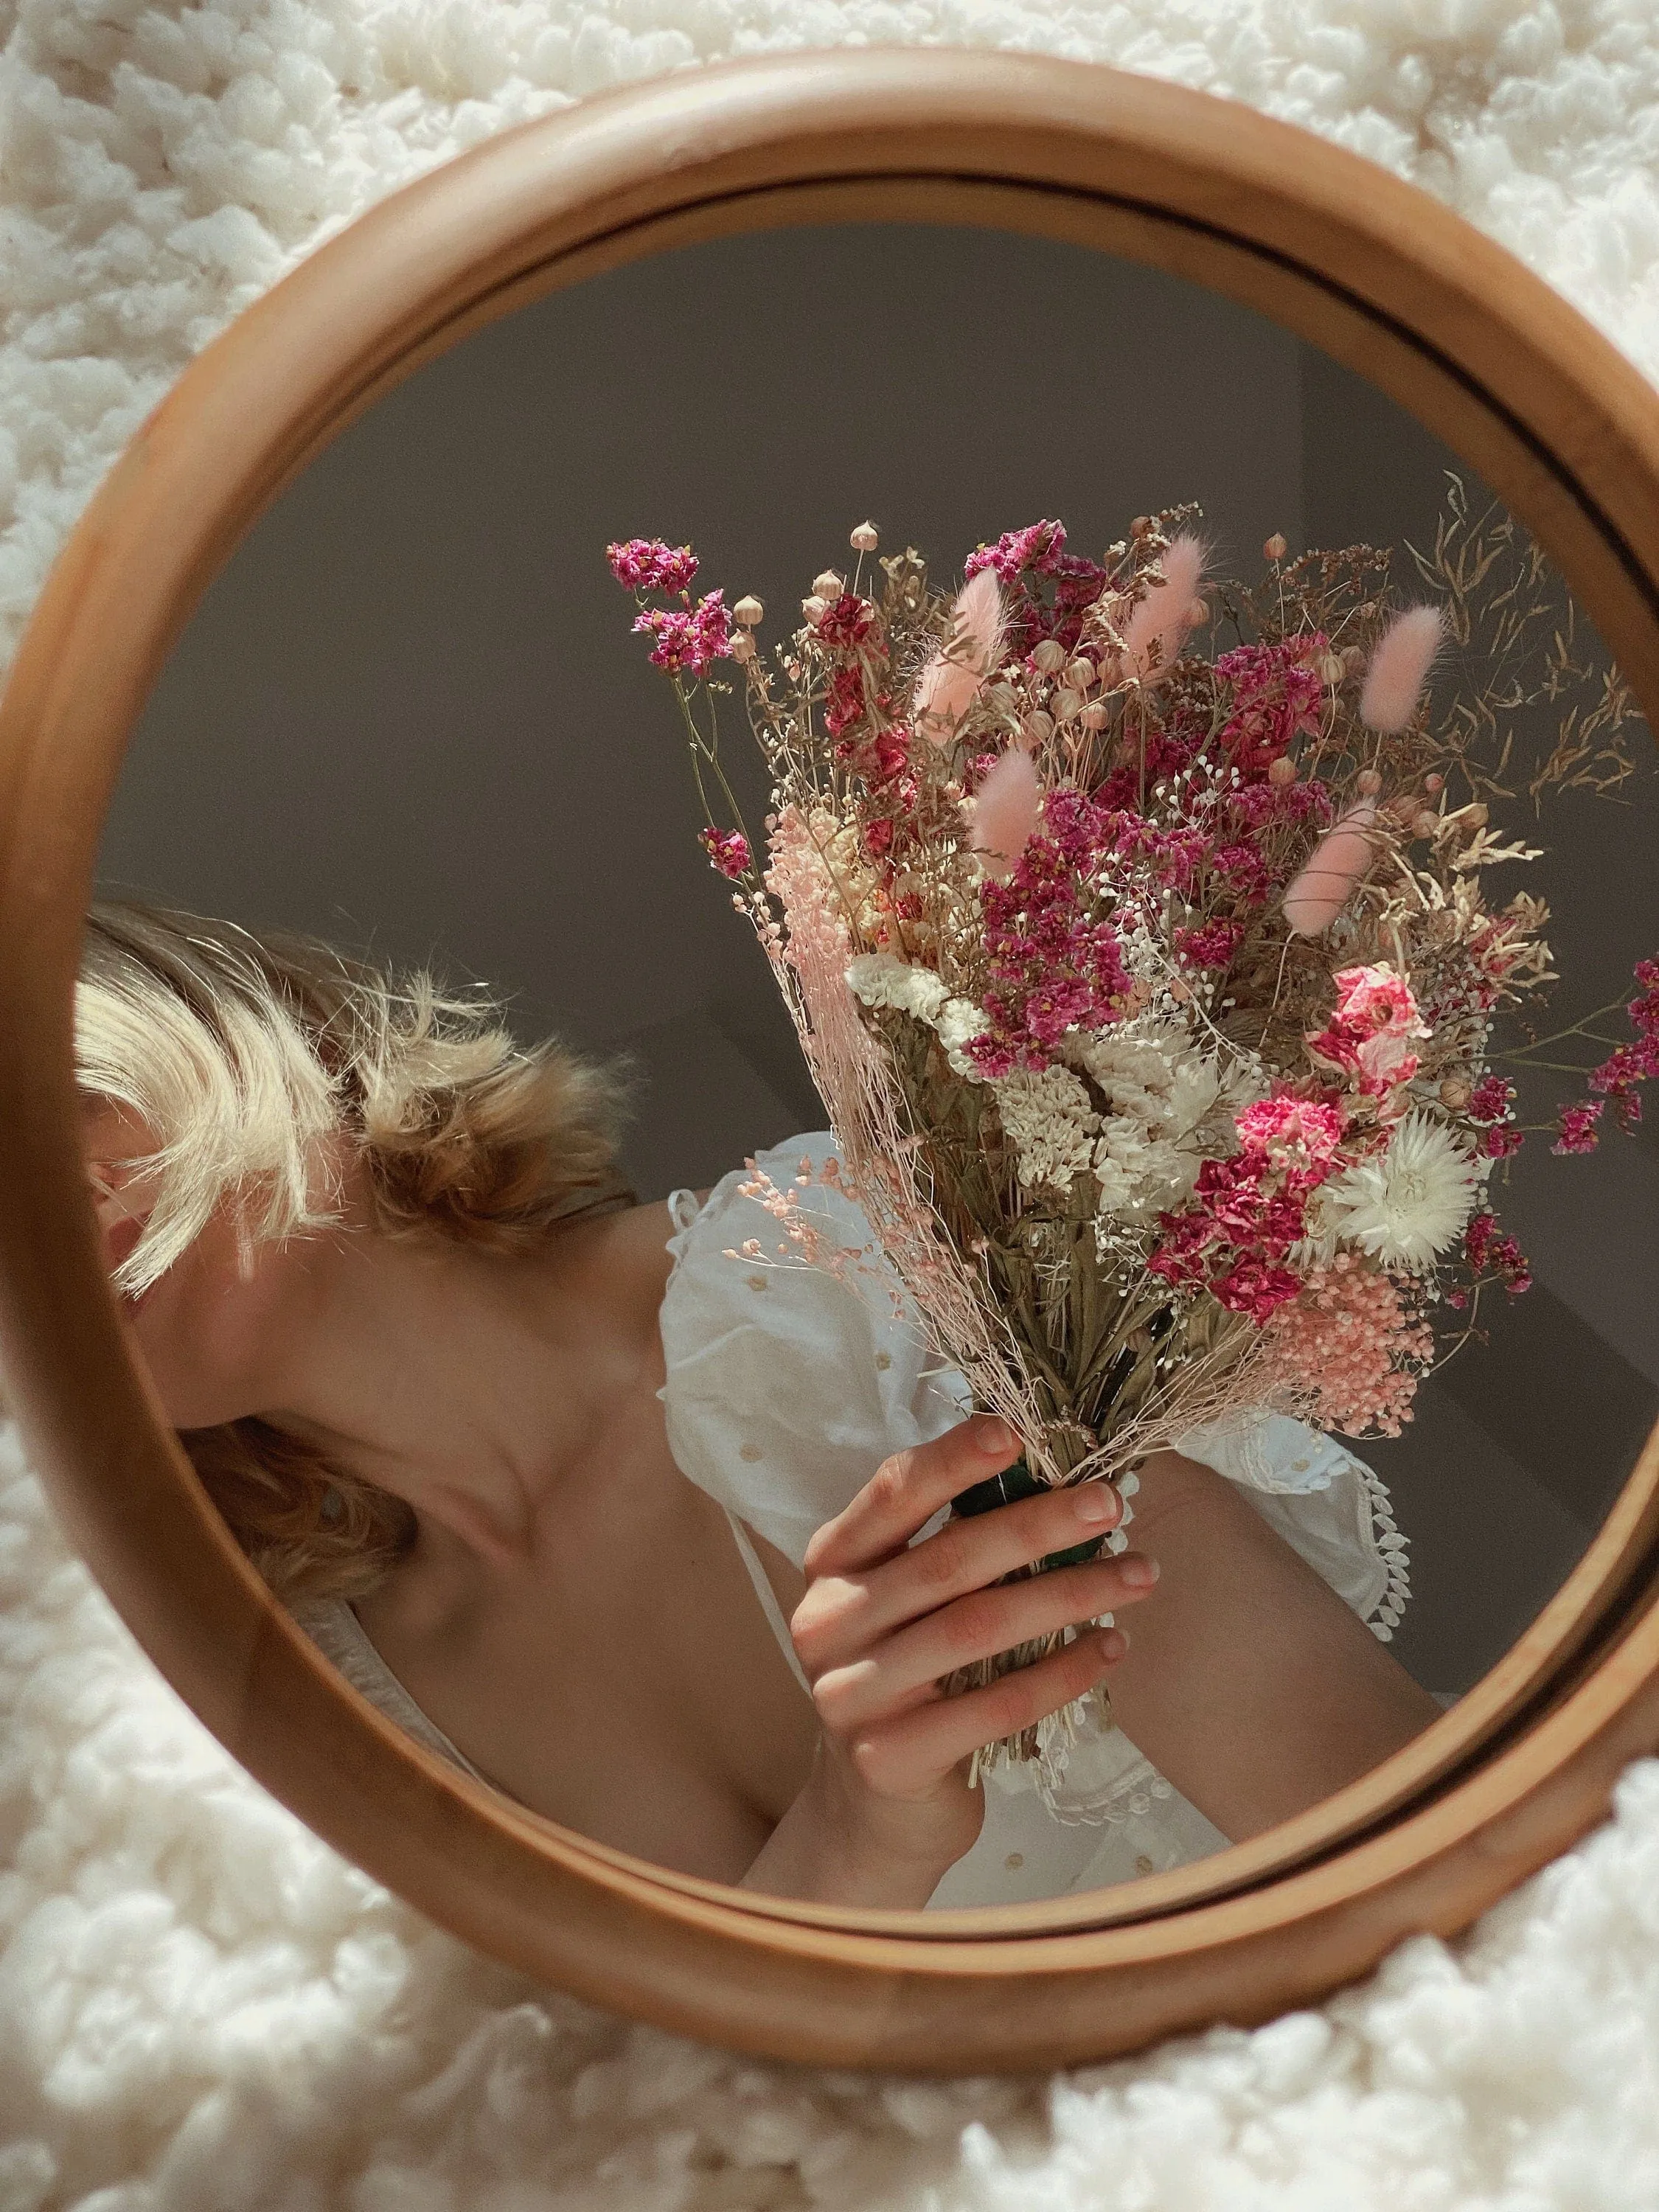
column 688, row 640
column 1369, row 1036
column 1616, row 1079
column 1234, row 1236
column 649, row 564
column 1577, row 1126
column 846, row 622
column 1277, row 695
column 1296, row 1137
column 729, row 851
column 1211, row 945
column 1492, row 1254
column 1046, row 590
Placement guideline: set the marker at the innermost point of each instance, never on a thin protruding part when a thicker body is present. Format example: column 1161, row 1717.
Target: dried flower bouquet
column 1150, row 984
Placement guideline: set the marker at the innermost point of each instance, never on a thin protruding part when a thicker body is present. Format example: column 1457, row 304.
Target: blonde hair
column 251, row 1059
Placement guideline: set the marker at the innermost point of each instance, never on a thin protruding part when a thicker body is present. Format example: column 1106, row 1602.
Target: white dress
column 786, row 1389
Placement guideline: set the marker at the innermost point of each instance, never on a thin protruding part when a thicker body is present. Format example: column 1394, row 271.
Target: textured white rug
column 201, row 2007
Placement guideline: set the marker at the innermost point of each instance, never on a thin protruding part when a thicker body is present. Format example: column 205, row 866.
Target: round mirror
column 534, row 1347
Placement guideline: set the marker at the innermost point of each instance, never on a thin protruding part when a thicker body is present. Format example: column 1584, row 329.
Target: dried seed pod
column 865, row 538
column 829, row 585
column 748, row 611
column 1049, row 656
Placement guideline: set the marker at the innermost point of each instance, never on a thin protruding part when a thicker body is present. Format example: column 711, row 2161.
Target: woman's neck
column 466, row 1382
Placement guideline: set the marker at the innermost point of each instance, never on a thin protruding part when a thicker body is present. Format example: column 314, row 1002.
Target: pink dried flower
column 1400, row 667
column 1335, row 866
column 1578, row 1132
column 1369, row 1036
column 1161, row 618
column 1277, row 696
column 1005, row 812
column 647, row 564
column 1491, row 1100
column 951, row 682
column 1296, row 1137
column 729, row 851
column 690, row 640
column 1489, row 1254
column 1350, row 1350
column 1211, row 945
column 847, row 620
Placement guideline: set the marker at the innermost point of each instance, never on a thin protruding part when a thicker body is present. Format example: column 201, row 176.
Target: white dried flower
column 879, row 980
column 958, row 1022
column 1408, row 1205
column 1048, row 1119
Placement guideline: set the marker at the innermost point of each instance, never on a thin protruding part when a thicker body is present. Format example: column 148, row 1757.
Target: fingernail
column 1138, row 1571
column 1114, row 1644
column 993, row 1435
column 1093, row 1501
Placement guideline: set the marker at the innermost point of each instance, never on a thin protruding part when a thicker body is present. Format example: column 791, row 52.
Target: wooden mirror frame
column 1382, row 278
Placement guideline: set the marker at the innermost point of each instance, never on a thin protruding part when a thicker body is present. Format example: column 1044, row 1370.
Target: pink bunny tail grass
column 1005, row 811
column 1400, row 668
column 950, row 682
column 1155, row 629
column 1334, row 866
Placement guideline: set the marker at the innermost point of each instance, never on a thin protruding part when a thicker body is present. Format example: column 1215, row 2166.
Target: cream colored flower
column 879, row 980
column 1407, row 1206
column 1048, row 1119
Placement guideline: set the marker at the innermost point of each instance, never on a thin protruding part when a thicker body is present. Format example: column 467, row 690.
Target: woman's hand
column 888, row 1809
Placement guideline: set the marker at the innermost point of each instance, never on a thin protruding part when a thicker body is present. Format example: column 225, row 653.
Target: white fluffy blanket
column 200, row 2006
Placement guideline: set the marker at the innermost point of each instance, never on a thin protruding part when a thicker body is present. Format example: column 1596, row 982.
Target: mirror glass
column 409, row 720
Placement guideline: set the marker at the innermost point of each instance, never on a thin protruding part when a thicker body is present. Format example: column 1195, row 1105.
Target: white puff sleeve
column 786, row 1389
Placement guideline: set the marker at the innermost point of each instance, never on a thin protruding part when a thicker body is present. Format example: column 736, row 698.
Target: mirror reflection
column 424, row 1056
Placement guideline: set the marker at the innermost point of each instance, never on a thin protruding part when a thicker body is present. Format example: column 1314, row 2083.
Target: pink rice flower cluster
column 688, row 640
column 1369, row 1038
column 729, row 851
column 1234, row 1234
column 1277, row 695
column 650, row 564
column 1349, row 1350
column 1491, row 1255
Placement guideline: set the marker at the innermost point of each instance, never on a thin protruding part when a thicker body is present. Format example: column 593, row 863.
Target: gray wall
column 409, row 715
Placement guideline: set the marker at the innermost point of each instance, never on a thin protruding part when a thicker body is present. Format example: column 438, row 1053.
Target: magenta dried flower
column 649, row 564
column 691, row 640
column 729, row 851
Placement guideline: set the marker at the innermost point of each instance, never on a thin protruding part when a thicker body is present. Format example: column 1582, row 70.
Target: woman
column 651, row 1537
